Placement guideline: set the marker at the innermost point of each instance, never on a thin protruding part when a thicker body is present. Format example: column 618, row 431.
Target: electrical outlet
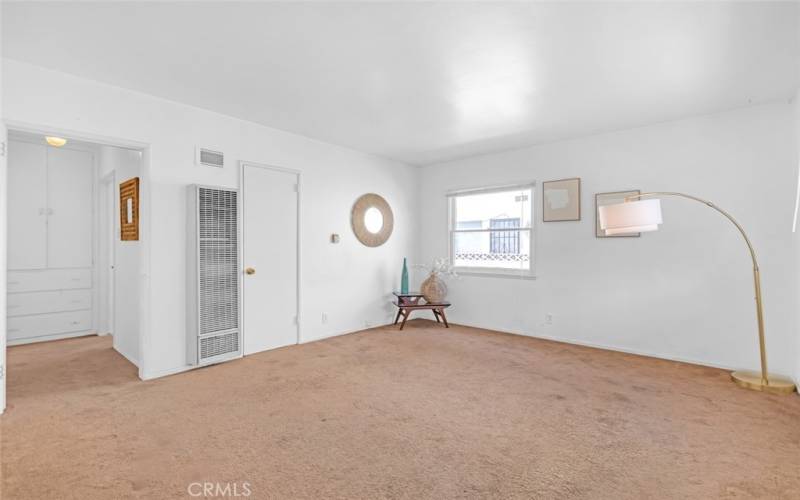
column 548, row 319
column 324, row 318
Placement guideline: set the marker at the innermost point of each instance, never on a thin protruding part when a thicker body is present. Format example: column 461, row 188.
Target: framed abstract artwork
column 129, row 210
column 602, row 199
column 562, row 200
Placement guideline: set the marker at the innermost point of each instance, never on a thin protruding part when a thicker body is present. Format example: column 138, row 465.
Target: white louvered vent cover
column 219, row 345
column 218, row 266
column 210, row 158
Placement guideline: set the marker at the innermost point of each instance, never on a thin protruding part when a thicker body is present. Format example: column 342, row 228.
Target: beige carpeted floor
column 423, row 413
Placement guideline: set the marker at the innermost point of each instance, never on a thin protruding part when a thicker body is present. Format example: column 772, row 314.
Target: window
column 490, row 230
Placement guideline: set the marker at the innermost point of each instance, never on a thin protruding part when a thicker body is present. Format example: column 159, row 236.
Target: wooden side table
column 407, row 302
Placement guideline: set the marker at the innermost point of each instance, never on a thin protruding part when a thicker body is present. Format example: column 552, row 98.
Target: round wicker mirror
column 372, row 220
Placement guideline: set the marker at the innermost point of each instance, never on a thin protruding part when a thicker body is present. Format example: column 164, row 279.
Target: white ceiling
column 423, row 82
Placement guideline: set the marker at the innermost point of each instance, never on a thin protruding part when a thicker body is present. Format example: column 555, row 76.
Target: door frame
column 145, row 214
column 298, row 274
column 108, row 198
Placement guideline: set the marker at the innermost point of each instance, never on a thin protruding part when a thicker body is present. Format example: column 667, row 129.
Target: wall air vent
column 210, row 158
column 218, row 345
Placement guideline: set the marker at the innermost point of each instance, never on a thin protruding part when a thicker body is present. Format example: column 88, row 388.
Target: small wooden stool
column 407, row 302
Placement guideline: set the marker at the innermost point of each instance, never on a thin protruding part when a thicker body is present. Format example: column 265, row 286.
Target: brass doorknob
column 250, row 270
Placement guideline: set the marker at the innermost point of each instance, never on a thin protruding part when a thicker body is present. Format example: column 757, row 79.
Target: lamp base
column 752, row 380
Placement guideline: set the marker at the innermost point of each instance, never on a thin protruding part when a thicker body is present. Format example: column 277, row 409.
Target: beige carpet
column 423, row 413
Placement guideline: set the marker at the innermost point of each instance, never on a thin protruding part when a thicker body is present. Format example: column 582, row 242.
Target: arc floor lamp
column 637, row 215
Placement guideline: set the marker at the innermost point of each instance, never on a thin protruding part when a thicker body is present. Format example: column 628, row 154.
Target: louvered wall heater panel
column 213, row 312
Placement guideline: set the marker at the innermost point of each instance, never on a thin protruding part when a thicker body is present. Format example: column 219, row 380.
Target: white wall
column 126, row 164
column 684, row 292
column 348, row 281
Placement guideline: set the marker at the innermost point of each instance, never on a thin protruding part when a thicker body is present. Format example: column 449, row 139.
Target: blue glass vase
column 404, row 278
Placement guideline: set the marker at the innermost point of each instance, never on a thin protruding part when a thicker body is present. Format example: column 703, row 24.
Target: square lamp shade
column 630, row 217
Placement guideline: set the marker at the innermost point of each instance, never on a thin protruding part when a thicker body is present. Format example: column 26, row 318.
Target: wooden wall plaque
column 129, row 210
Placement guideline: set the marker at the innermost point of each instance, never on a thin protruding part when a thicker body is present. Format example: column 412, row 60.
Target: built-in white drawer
column 22, row 304
column 40, row 325
column 49, row 279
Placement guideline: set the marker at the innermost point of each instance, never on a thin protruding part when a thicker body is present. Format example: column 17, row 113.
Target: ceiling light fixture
column 56, row 141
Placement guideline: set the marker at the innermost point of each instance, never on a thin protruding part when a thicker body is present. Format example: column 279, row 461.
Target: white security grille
column 493, row 257
column 218, row 265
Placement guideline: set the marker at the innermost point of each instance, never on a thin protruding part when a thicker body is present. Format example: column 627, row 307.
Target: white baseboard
column 378, row 324
column 172, row 371
column 46, row 338
column 153, row 374
column 608, row 347
column 597, row 345
column 346, row 332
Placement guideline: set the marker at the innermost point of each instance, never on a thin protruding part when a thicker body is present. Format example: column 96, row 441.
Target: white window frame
column 491, row 271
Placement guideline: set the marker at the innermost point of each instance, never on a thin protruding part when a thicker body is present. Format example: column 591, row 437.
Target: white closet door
column 27, row 201
column 270, row 251
column 69, row 187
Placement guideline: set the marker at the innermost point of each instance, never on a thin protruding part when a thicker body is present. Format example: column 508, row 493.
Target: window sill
column 494, row 274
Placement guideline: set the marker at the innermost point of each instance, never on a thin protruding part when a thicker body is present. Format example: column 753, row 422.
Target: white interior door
column 70, row 179
column 27, row 228
column 270, row 252
column 112, row 229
